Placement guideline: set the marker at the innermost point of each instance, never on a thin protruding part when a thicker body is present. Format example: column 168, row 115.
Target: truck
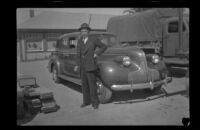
column 156, row 30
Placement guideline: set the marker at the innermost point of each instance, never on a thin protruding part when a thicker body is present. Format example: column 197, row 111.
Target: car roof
column 91, row 33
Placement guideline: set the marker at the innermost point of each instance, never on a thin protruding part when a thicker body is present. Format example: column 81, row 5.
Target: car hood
column 122, row 50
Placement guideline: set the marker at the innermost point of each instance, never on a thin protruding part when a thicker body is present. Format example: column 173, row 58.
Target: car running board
column 74, row 80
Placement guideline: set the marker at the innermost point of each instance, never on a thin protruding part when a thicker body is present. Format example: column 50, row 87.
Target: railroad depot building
column 37, row 36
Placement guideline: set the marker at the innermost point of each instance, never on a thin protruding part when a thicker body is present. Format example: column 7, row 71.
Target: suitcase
column 31, row 95
column 33, row 106
column 26, row 80
column 44, row 93
column 48, row 107
column 36, row 103
column 48, row 95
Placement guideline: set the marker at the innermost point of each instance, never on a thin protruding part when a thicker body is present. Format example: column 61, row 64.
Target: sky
column 23, row 13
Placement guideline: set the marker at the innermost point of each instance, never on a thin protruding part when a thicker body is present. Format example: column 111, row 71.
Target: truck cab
column 157, row 31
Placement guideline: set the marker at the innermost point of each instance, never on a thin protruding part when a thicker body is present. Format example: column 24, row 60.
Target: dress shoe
column 84, row 105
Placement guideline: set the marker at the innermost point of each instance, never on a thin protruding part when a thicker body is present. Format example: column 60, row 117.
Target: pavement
column 125, row 108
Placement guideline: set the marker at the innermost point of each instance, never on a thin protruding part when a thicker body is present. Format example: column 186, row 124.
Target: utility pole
column 89, row 19
column 31, row 13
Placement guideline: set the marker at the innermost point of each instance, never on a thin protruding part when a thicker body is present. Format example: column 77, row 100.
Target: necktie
column 84, row 40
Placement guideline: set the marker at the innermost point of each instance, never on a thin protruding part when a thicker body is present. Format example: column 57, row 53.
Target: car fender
column 111, row 73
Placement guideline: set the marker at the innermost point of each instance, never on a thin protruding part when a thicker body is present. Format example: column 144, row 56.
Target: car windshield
column 109, row 40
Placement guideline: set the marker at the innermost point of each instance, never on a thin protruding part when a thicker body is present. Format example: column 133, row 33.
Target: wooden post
column 22, row 49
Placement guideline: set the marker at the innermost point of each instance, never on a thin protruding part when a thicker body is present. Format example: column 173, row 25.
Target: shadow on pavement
column 26, row 118
column 72, row 85
column 177, row 72
column 136, row 96
column 142, row 96
column 184, row 93
column 128, row 97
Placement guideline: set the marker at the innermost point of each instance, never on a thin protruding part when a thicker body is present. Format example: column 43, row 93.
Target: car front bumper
column 150, row 85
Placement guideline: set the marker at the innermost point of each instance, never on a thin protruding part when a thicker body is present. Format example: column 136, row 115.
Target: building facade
column 36, row 37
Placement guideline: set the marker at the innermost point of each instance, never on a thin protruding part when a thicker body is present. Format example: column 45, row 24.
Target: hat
column 84, row 26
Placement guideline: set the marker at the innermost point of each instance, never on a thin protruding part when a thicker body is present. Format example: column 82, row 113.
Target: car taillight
column 126, row 61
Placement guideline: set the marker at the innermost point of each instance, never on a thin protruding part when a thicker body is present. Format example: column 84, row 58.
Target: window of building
column 33, row 36
column 34, row 45
column 51, row 44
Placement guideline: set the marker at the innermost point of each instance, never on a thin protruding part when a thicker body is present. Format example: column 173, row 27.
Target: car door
column 63, row 54
column 71, row 56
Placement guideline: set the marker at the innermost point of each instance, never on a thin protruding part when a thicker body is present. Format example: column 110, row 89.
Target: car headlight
column 126, row 61
column 155, row 59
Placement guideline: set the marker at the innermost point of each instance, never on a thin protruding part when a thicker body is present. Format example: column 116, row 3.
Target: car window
column 72, row 42
column 108, row 40
column 173, row 27
column 64, row 44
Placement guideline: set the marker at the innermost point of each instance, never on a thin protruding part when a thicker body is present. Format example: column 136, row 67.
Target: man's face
column 84, row 32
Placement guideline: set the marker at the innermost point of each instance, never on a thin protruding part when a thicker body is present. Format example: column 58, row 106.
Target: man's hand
column 76, row 68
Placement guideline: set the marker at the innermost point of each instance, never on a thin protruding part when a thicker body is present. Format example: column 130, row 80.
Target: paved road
column 125, row 109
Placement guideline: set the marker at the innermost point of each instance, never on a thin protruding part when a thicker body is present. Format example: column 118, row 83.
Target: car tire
column 104, row 94
column 55, row 75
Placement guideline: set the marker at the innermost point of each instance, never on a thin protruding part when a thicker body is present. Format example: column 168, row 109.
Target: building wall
column 37, row 44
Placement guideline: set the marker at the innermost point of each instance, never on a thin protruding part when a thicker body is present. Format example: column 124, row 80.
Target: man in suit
column 86, row 61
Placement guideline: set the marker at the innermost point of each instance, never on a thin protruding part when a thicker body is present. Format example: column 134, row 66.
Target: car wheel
column 55, row 75
column 104, row 94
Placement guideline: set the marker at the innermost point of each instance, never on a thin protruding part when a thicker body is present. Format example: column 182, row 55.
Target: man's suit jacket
column 85, row 52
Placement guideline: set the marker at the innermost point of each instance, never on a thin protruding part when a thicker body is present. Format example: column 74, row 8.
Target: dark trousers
column 89, row 87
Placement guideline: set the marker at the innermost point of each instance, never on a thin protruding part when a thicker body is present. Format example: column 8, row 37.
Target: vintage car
column 121, row 67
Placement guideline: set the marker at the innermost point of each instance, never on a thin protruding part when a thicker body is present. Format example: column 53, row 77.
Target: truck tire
column 104, row 94
column 55, row 75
